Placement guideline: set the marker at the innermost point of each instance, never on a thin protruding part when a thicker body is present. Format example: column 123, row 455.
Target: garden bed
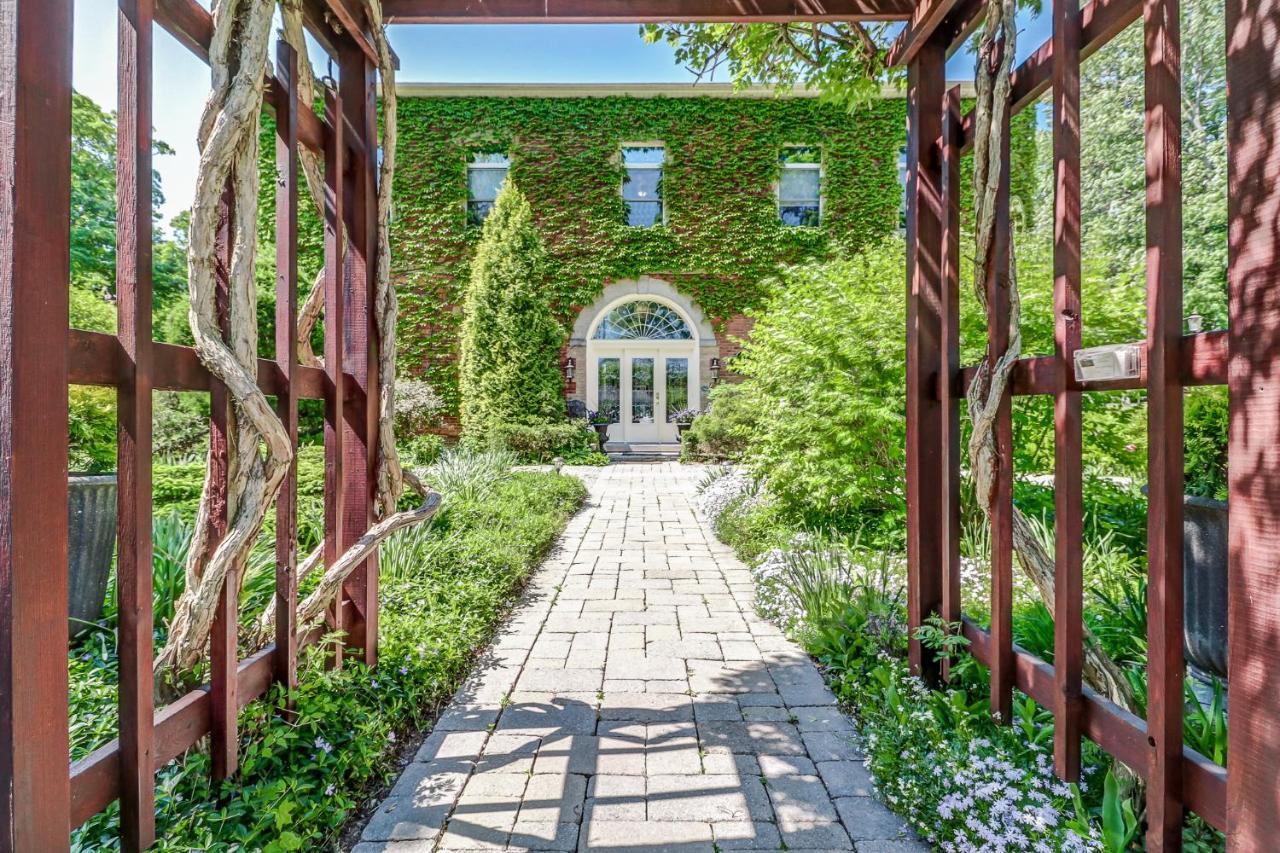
column 444, row 589
column 938, row 758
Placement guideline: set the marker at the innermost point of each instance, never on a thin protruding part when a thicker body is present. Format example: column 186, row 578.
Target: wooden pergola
column 40, row 357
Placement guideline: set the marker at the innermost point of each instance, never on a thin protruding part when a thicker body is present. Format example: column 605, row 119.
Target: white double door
column 640, row 388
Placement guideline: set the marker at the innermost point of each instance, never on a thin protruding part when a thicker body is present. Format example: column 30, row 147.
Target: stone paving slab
column 634, row 701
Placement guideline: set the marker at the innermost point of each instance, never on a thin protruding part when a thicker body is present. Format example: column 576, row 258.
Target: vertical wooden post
column 223, row 654
column 950, row 393
column 286, row 654
column 998, row 307
column 35, row 227
column 334, row 325
column 1068, row 613
column 925, row 482
column 1253, row 282
column 360, row 346
column 1164, row 425
column 133, row 308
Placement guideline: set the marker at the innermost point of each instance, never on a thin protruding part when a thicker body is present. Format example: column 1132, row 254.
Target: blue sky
column 474, row 54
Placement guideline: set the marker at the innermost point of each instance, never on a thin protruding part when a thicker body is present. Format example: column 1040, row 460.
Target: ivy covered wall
column 722, row 238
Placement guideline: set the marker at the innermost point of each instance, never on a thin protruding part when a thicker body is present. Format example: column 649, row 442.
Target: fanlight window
column 643, row 321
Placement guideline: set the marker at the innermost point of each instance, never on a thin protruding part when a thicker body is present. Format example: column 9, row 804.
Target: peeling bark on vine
column 991, row 384
column 259, row 446
column 228, row 142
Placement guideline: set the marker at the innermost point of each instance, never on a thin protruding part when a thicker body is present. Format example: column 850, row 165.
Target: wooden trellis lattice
column 40, row 357
column 1245, row 802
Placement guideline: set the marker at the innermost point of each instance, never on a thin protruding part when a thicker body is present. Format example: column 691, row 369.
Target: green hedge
column 177, row 487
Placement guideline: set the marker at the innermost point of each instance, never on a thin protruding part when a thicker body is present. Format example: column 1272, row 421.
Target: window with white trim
column 800, row 186
column 642, row 185
column 485, row 175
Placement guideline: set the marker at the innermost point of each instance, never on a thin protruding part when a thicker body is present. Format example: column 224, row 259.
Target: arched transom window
column 643, row 320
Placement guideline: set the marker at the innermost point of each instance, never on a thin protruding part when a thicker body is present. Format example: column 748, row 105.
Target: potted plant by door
column 600, row 422
column 683, row 419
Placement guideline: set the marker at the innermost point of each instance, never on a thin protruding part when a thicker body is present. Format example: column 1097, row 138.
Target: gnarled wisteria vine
column 984, row 396
column 259, row 448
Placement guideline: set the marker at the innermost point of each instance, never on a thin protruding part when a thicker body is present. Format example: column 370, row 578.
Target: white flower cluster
column 774, row 599
column 992, row 804
column 718, row 494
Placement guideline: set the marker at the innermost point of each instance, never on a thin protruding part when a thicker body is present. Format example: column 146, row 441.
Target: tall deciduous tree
column 509, row 337
column 1113, row 173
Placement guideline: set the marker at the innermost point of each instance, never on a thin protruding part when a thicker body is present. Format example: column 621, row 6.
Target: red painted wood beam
column 1119, row 732
column 35, row 185
column 134, row 414
column 1068, row 427
column 1253, row 306
column 641, row 11
column 98, row 359
column 1202, row 360
column 350, row 21
column 928, row 18
column 286, row 656
column 1100, row 21
column 925, row 417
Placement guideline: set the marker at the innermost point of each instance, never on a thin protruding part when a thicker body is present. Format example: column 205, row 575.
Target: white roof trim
column 613, row 90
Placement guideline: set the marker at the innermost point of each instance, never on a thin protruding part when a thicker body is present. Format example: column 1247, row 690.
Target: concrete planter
column 602, row 430
column 1204, row 579
column 91, row 522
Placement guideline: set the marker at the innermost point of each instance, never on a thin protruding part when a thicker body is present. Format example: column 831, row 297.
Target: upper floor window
column 485, row 174
column 800, row 185
column 642, row 186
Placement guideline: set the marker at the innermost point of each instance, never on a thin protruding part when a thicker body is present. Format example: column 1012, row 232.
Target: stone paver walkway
column 635, row 701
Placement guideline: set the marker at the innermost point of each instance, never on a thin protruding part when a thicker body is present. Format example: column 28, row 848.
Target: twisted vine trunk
column 228, row 142
column 258, row 444
column 984, row 396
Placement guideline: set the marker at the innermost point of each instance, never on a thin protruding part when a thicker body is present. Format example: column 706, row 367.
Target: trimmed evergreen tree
column 510, row 340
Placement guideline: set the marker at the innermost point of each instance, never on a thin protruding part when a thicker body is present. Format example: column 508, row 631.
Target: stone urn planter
column 602, row 430
column 1204, row 580
column 91, row 528
column 682, row 428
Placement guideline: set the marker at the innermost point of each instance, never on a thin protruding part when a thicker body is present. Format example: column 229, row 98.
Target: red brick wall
column 735, row 329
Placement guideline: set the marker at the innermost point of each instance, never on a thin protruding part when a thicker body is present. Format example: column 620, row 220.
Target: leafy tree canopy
column 93, row 207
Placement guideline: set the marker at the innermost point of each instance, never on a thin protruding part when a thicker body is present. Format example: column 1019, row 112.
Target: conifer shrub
column 510, row 339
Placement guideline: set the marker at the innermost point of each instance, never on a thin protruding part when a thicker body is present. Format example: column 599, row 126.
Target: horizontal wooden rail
column 98, row 359
column 1203, row 357
column 1100, row 21
column 928, row 18
column 1119, row 732
column 95, row 779
column 641, row 11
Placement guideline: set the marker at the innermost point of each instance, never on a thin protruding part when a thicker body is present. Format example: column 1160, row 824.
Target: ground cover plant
column 938, row 758
column 444, row 587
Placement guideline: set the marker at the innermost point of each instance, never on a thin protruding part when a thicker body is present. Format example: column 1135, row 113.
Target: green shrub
column 1205, row 443
column 510, row 340
column 825, row 377
column 724, row 431
column 177, row 487
column 91, row 422
column 572, row 441
column 418, row 408
column 420, row 449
